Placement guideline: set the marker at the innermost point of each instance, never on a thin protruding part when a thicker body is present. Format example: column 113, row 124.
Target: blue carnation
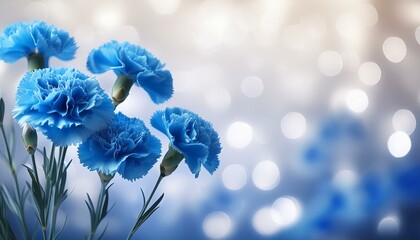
column 137, row 64
column 63, row 103
column 126, row 146
column 191, row 136
column 19, row 40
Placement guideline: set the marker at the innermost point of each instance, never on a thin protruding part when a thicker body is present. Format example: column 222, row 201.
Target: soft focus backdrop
column 315, row 102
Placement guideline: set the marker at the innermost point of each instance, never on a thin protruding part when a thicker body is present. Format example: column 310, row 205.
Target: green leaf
column 10, row 202
column 2, row 108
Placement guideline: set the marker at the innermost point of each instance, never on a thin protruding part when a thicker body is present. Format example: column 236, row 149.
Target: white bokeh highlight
column 239, row 134
column 217, row 225
column 399, row 144
column 286, row 211
column 370, row 73
column 394, row 49
column 252, row 87
column 266, row 175
column 263, row 222
column 234, row 177
column 404, row 120
column 330, row 63
column 357, row 100
column 293, row 125
column 389, row 226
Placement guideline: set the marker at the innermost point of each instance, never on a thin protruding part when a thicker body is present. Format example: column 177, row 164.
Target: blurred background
column 315, row 102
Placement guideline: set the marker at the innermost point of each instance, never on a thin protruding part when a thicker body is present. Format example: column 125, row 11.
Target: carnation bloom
column 191, row 136
column 126, row 146
column 23, row 39
column 63, row 103
column 135, row 63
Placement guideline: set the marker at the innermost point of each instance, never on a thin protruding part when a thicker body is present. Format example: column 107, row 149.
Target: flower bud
column 170, row 162
column 36, row 61
column 105, row 178
column 1, row 110
column 121, row 89
column 30, row 139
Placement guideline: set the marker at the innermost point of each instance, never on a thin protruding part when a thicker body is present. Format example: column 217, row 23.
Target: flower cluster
column 126, row 147
column 136, row 64
column 70, row 108
column 63, row 103
column 191, row 136
column 22, row 40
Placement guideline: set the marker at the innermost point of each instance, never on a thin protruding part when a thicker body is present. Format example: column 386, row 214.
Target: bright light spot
column 263, row 222
column 239, row 134
column 266, row 175
column 285, row 211
column 252, row 87
column 368, row 14
column 165, row 6
column 330, row 63
column 37, row 10
column 345, row 178
column 293, row 125
column 349, row 26
column 394, row 49
column 399, row 144
column 217, row 225
column 108, row 18
column 389, row 226
column 404, row 120
column 370, row 73
column 234, row 177
column 357, row 100
column 218, row 98
column 417, row 33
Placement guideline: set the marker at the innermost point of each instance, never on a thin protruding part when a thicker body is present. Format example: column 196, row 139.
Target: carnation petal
column 157, row 84
column 195, row 155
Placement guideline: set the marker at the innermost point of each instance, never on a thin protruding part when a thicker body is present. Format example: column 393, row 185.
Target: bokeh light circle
column 239, row 134
column 330, row 63
column 370, row 73
column 266, row 175
column 263, row 222
column 399, row 144
column 357, row 100
column 286, row 211
column 389, row 226
column 234, row 177
column 217, row 225
column 394, row 49
column 404, row 120
column 293, row 125
column 252, row 87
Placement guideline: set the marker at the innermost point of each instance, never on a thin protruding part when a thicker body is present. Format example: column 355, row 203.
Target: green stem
column 144, row 209
column 56, row 191
column 98, row 210
column 16, row 183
